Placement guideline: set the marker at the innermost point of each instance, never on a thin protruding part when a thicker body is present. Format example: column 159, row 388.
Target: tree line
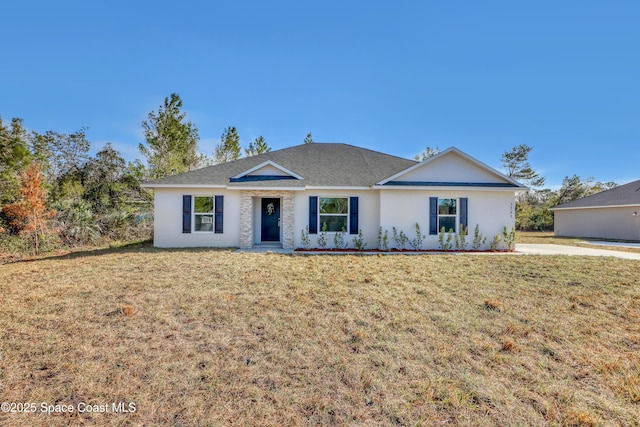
column 53, row 193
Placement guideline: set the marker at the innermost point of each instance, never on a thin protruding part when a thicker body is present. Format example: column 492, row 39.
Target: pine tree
column 258, row 146
column 229, row 147
column 29, row 214
column 171, row 142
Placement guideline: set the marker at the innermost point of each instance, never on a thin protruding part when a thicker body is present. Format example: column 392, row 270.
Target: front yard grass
column 208, row 337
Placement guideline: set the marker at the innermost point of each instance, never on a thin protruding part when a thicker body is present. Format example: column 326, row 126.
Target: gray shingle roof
column 628, row 194
column 320, row 164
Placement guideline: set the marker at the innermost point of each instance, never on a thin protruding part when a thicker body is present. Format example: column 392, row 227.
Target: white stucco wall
column 491, row 210
column 450, row 168
column 167, row 227
column 604, row 223
column 402, row 209
column 368, row 217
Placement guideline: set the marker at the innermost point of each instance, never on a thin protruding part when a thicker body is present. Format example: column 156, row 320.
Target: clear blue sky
column 484, row 76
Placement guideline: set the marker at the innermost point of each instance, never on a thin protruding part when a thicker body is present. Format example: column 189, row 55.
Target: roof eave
column 569, row 208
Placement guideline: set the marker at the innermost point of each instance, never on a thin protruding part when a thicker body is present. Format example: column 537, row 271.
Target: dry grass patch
column 205, row 337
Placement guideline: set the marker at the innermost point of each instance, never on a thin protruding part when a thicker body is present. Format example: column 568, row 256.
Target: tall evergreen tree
column 14, row 156
column 258, row 146
column 516, row 163
column 171, row 142
column 229, row 147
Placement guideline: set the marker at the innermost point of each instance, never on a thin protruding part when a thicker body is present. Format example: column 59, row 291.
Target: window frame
column 455, row 216
column 345, row 215
column 211, row 214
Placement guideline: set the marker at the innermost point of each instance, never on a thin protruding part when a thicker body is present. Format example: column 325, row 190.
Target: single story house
column 274, row 198
column 611, row 214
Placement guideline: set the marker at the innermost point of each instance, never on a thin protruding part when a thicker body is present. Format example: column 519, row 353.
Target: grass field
column 204, row 337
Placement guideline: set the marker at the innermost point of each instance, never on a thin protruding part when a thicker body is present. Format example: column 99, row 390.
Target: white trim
column 182, row 186
column 267, row 163
column 594, row 207
column 456, row 215
column 265, row 188
column 460, row 153
column 347, row 215
column 447, row 188
column 194, row 213
column 334, row 188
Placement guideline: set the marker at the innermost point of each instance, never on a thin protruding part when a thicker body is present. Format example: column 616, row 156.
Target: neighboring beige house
column 611, row 214
column 269, row 199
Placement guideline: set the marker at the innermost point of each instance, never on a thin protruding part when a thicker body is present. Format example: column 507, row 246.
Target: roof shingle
column 320, row 164
column 628, row 194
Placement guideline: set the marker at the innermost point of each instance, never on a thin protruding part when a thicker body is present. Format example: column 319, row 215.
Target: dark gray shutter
column 353, row 215
column 313, row 215
column 433, row 215
column 219, row 212
column 186, row 214
column 464, row 202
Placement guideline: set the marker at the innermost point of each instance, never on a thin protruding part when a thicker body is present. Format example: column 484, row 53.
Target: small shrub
column 416, row 242
column 461, row 238
column 478, row 239
column 495, row 243
column 76, row 223
column 338, row 239
column 304, row 238
column 322, row 237
column 450, row 238
column 509, row 238
column 358, row 242
column 383, row 239
column 400, row 239
column 445, row 244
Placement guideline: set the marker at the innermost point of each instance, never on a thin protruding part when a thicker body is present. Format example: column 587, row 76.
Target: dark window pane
column 334, row 223
column 337, row 205
column 447, row 206
column 448, row 222
column 204, row 222
column 203, row 204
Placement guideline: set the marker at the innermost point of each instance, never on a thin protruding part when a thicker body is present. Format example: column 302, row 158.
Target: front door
column 270, row 220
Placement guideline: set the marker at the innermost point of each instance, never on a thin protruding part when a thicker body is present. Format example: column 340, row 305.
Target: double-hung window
column 447, row 214
column 334, row 213
column 203, row 213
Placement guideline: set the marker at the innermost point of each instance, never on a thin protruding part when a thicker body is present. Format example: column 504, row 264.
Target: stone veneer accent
column 246, row 216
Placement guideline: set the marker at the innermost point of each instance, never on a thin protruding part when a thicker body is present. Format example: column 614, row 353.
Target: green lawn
column 208, row 337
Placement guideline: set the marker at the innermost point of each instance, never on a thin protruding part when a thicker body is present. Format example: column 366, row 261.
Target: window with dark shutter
column 313, row 215
column 464, row 202
column 219, row 212
column 353, row 215
column 433, row 215
column 186, row 214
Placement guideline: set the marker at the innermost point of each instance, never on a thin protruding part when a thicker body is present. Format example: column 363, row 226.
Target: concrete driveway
column 547, row 249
